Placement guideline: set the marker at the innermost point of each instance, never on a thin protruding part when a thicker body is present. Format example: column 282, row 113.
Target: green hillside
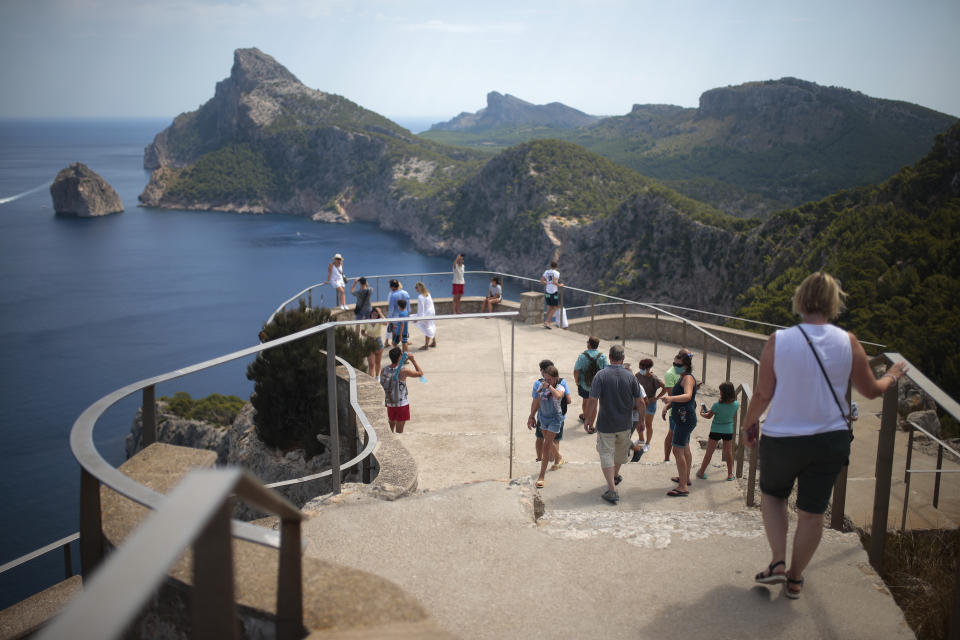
column 896, row 249
column 753, row 149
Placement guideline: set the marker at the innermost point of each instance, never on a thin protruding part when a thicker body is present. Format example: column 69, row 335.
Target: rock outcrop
column 80, row 191
column 238, row 445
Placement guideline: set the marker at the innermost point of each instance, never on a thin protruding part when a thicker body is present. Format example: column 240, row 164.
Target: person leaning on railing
column 806, row 436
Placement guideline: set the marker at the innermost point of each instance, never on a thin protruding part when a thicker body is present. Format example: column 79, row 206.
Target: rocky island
column 80, row 191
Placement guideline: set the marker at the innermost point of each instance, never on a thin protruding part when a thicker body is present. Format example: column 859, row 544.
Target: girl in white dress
column 425, row 309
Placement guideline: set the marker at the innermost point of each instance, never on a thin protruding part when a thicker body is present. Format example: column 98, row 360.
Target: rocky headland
column 80, row 191
column 265, row 143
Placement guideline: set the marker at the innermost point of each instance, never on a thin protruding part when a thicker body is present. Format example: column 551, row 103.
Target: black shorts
column 720, row 436
column 583, row 393
column 556, row 438
column 552, row 299
column 813, row 461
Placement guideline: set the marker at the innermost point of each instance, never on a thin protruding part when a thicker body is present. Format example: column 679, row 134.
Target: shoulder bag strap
column 846, row 418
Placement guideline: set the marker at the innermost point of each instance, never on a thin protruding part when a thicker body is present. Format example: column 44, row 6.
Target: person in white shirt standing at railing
column 337, row 279
column 459, row 281
column 803, row 378
column 551, row 281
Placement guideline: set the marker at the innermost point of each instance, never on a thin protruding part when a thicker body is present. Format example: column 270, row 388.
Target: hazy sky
column 402, row 58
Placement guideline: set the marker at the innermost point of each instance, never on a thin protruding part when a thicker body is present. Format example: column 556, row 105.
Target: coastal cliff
column 238, row 445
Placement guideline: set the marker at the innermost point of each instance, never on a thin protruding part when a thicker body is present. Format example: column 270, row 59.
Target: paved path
column 471, row 548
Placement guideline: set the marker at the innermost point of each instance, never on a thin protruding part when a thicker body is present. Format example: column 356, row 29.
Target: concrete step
column 28, row 616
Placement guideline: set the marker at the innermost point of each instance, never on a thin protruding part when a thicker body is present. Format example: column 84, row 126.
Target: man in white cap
column 337, row 279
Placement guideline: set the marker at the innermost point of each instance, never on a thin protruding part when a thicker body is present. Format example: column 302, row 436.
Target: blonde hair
column 819, row 293
column 422, row 288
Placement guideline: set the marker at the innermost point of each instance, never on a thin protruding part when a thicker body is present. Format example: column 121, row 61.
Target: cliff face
column 238, row 445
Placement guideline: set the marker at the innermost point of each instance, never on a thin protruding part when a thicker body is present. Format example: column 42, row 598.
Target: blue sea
column 91, row 305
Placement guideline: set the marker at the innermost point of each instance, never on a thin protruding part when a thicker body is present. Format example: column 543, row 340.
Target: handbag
column 846, row 417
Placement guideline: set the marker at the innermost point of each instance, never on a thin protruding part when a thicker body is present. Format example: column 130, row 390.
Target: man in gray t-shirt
column 618, row 394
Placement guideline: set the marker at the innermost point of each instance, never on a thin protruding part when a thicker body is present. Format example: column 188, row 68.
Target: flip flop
column 557, row 465
column 676, row 493
column 769, row 577
column 677, row 480
column 540, row 484
column 702, row 476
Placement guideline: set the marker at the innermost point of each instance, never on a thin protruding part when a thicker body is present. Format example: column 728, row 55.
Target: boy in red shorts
column 393, row 380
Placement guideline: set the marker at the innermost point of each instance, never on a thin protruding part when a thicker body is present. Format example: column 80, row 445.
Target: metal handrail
column 85, row 451
column 196, row 513
column 652, row 305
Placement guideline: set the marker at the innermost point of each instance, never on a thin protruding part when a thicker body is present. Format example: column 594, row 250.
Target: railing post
column 954, row 632
column 67, row 561
column 623, row 331
column 148, row 416
column 310, row 298
column 884, row 472
column 756, row 373
column 744, row 405
column 684, row 340
column 656, row 332
column 703, row 375
column 593, row 308
column 906, row 479
column 214, row 606
column 839, row 504
column 91, row 527
column 290, row 582
column 729, row 358
column 752, row 476
column 332, row 411
column 936, row 483
column 513, row 325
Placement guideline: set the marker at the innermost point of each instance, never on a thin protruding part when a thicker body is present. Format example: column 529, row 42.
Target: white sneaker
column 646, row 448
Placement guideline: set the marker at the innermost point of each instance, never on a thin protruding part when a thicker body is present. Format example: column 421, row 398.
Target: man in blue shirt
column 397, row 310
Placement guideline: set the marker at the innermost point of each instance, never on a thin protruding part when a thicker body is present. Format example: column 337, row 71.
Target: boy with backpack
column 588, row 364
column 393, row 380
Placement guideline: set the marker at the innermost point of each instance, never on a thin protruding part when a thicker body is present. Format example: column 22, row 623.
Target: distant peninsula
column 510, row 111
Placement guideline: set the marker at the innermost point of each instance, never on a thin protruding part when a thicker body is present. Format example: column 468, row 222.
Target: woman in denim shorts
column 806, row 436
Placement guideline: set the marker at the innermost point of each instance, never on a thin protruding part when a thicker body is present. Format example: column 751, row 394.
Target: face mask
column 678, row 368
column 643, row 372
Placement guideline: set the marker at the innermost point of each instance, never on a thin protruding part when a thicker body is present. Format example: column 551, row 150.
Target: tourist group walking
column 803, row 378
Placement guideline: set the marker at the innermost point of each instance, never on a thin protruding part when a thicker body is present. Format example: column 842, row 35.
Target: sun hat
column 337, row 255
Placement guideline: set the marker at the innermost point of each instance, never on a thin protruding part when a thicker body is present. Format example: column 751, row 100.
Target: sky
column 434, row 59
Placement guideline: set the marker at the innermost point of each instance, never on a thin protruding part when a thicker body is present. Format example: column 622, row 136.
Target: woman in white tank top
column 805, row 437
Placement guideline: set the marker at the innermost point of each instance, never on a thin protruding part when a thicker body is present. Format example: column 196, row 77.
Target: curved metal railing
column 657, row 306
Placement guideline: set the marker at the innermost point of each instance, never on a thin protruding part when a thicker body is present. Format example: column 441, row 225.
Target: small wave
column 25, row 193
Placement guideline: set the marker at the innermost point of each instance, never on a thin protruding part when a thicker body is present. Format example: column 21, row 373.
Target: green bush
column 290, row 381
column 215, row 408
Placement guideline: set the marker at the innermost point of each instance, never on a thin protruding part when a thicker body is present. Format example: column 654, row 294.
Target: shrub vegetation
column 290, row 381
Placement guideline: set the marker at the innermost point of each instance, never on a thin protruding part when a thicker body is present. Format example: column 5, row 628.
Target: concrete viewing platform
column 490, row 556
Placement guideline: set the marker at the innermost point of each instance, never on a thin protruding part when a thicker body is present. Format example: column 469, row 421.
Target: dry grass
column 920, row 569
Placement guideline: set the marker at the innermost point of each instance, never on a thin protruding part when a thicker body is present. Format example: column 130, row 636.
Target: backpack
column 593, row 366
column 392, row 387
column 563, row 401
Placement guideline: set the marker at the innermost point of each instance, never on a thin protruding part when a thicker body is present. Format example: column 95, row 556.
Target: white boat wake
column 25, row 193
